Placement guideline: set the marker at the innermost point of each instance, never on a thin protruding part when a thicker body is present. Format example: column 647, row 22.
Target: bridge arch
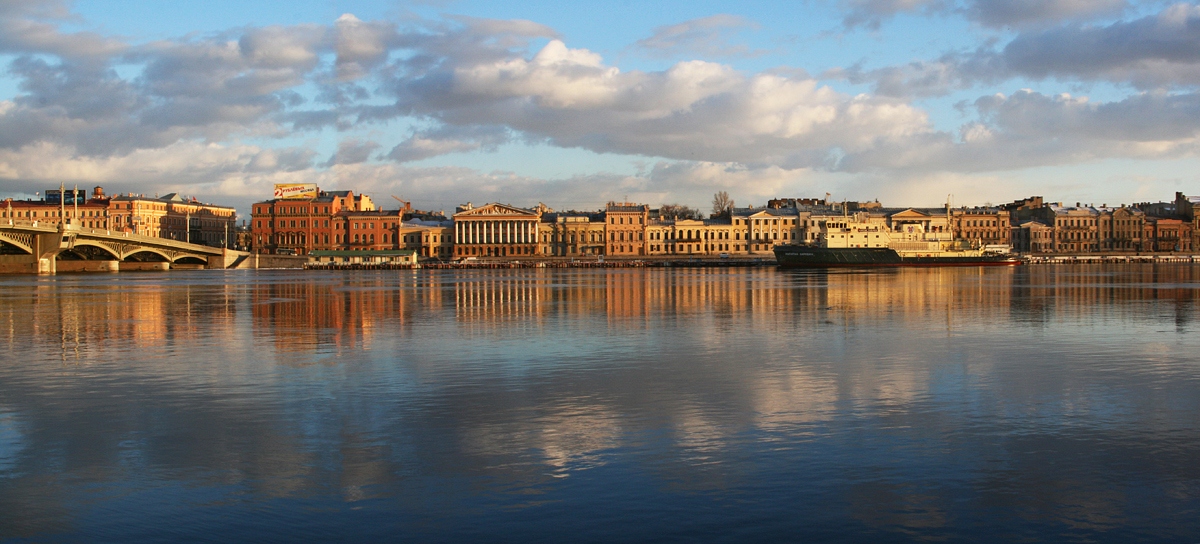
column 91, row 251
column 147, row 254
column 19, row 240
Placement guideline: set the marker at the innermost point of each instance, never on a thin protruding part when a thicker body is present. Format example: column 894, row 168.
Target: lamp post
column 62, row 206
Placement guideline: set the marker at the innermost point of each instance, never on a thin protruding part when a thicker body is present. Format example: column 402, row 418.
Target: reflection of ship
column 858, row 241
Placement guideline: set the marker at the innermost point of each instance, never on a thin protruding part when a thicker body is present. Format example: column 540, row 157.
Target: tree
column 722, row 205
column 678, row 211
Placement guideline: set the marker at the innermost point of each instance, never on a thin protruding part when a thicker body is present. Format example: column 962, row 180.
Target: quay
column 497, row 265
column 1103, row 259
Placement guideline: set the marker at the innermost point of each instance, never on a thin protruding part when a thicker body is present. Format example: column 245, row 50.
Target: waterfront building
column 1032, row 237
column 983, row 226
column 625, row 229
column 429, row 238
column 1076, row 229
column 78, row 210
column 931, row 221
column 298, row 225
column 572, row 234
column 757, row 231
column 176, row 217
column 1186, row 206
column 1169, row 234
column 495, row 230
column 172, row 216
column 1122, row 229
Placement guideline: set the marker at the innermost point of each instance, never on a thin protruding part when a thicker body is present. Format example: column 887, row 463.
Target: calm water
column 1004, row 405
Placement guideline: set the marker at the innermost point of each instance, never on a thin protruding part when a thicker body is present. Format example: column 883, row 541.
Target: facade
column 573, row 234
column 1186, row 206
column 79, row 212
column 1033, row 237
column 1076, row 229
column 625, row 229
column 1169, row 234
column 1123, row 229
column 297, row 226
column 984, row 226
column 496, row 230
column 171, row 216
column 430, row 239
column 759, row 230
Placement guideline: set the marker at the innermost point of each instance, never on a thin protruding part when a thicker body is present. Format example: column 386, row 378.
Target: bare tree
column 722, row 205
column 678, row 211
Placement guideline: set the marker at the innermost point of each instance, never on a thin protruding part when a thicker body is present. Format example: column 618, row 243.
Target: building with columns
column 496, row 230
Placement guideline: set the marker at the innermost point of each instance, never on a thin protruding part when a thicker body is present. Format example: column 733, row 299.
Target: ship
column 911, row 240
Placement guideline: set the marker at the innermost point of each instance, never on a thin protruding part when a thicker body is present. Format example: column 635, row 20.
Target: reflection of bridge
column 46, row 249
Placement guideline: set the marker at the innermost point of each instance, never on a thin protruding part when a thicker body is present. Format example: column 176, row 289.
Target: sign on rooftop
column 295, row 190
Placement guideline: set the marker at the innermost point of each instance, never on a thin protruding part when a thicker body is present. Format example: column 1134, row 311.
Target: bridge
column 33, row 248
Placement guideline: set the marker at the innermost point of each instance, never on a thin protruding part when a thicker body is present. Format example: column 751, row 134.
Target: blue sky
column 575, row 104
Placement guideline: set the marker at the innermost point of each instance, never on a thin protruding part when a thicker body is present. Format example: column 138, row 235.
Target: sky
column 573, row 104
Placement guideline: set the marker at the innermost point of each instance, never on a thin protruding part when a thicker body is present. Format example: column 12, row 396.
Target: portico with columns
column 496, row 230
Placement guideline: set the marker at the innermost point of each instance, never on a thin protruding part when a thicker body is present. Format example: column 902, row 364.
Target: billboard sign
column 68, row 197
column 295, row 190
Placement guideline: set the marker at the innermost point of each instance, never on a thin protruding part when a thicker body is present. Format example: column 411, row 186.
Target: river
column 1035, row 403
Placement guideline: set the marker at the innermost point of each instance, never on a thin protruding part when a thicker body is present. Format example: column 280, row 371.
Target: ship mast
column 949, row 219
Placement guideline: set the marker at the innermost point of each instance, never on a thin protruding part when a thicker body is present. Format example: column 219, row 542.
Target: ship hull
column 821, row 257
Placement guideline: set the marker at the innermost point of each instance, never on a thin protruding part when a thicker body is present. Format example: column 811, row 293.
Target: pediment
column 910, row 214
column 497, row 210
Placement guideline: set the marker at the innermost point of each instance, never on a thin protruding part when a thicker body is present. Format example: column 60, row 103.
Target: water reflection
column 622, row 404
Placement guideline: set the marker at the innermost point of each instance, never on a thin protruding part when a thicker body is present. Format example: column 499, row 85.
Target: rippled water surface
column 738, row 405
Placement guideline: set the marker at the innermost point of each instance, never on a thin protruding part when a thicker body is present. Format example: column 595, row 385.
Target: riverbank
column 697, row 262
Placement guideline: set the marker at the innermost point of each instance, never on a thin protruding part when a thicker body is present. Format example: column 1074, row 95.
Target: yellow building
column 625, row 226
column 758, row 230
column 429, row 239
column 572, row 234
